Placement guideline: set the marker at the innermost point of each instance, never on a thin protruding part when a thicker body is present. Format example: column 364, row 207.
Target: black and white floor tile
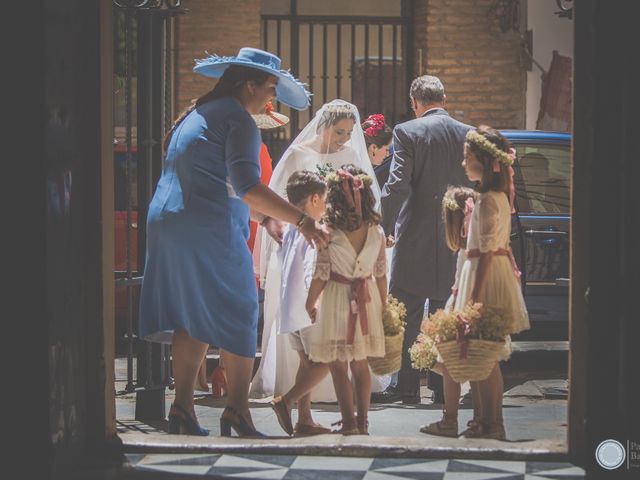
column 291, row 467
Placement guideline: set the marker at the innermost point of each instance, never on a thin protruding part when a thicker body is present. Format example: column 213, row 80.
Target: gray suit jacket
column 427, row 158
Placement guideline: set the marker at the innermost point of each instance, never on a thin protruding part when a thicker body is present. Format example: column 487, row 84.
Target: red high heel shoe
column 218, row 382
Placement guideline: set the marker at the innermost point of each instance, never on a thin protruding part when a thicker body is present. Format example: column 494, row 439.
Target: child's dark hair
column 496, row 181
column 453, row 213
column 302, row 184
column 340, row 214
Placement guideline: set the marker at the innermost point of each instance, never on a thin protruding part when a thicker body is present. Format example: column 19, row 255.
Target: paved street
column 535, row 407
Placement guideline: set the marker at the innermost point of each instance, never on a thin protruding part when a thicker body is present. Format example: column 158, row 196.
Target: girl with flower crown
column 332, row 138
column 457, row 206
column 348, row 292
column 489, row 274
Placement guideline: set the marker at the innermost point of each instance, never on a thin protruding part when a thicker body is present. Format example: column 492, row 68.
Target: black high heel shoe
column 231, row 418
column 181, row 423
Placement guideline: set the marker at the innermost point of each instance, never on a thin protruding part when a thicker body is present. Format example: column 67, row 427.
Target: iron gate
column 364, row 60
column 143, row 33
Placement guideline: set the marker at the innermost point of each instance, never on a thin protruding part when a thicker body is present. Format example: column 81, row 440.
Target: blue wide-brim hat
column 289, row 90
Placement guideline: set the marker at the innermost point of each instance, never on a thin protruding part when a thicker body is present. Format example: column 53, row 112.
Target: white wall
column 550, row 32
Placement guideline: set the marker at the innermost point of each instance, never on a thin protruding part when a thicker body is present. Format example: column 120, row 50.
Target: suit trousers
column 434, row 380
column 408, row 377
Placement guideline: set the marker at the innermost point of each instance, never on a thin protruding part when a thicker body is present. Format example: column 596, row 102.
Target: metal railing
column 144, row 36
column 365, row 60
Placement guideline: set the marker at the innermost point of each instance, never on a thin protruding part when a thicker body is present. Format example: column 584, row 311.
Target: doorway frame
column 579, row 241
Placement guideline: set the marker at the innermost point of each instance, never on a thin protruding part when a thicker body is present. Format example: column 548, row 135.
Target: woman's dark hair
column 496, row 181
column 340, row 214
column 231, row 83
column 382, row 136
column 303, row 184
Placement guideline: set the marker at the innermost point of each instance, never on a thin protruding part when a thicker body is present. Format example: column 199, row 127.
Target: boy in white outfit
column 306, row 190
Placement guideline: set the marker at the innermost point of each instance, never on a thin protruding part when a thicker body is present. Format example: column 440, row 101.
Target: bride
column 333, row 138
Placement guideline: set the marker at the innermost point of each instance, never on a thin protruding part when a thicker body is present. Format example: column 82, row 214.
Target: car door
column 540, row 233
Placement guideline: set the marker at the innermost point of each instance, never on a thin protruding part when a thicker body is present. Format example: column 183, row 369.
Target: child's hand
column 274, row 228
column 391, row 241
column 312, row 313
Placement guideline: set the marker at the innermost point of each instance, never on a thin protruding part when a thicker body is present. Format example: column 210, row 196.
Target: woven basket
column 392, row 359
column 482, row 355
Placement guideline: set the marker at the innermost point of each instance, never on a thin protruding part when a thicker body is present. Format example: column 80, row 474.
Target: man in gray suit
column 427, row 157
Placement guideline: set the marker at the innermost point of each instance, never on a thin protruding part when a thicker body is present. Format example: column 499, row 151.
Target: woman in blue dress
column 199, row 286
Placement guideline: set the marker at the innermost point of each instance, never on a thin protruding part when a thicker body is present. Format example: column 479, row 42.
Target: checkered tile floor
column 284, row 467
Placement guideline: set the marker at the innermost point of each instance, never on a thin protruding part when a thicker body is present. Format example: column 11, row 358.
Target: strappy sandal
column 283, row 414
column 351, row 430
column 362, row 423
column 232, row 419
column 440, row 428
column 481, row 431
column 472, row 425
column 303, row 430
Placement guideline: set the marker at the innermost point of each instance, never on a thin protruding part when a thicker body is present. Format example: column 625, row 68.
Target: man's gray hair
column 427, row 89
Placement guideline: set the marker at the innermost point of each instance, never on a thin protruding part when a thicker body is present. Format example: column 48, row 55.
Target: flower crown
column 359, row 180
column 337, row 108
column 376, row 124
column 481, row 141
column 449, row 203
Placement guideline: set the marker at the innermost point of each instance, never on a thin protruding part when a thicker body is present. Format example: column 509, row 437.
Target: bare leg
column 499, row 386
column 238, row 371
column 304, row 410
column 187, row 353
column 448, row 425
column 451, row 390
column 202, row 384
column 362, row 380
column 344, row 393
column 476, row 399
column 491, row 400
column 308, row 376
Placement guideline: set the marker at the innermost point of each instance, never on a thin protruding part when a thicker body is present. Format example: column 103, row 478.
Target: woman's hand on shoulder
column 314, row 233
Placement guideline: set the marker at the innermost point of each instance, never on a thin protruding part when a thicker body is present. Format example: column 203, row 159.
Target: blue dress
column 199, row 271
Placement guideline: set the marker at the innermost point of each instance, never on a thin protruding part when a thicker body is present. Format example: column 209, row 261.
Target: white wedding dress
column 279, row 363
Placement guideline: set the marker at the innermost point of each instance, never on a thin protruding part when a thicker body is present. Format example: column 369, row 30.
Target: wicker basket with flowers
column 393, row 322
column 469, row 341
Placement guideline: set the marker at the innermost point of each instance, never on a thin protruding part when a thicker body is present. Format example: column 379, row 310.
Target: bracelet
column 264, row 220
column 303, row 217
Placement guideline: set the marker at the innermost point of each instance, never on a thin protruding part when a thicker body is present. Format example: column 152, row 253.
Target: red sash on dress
column 358, row 299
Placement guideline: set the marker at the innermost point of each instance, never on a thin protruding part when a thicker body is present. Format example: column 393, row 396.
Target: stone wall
column 457, row 40
column 479, row 65
column 219, row 27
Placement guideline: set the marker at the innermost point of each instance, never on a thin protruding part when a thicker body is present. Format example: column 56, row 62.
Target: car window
column 543, row 184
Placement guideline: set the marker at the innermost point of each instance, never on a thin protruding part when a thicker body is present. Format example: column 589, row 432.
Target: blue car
column 540, row 228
